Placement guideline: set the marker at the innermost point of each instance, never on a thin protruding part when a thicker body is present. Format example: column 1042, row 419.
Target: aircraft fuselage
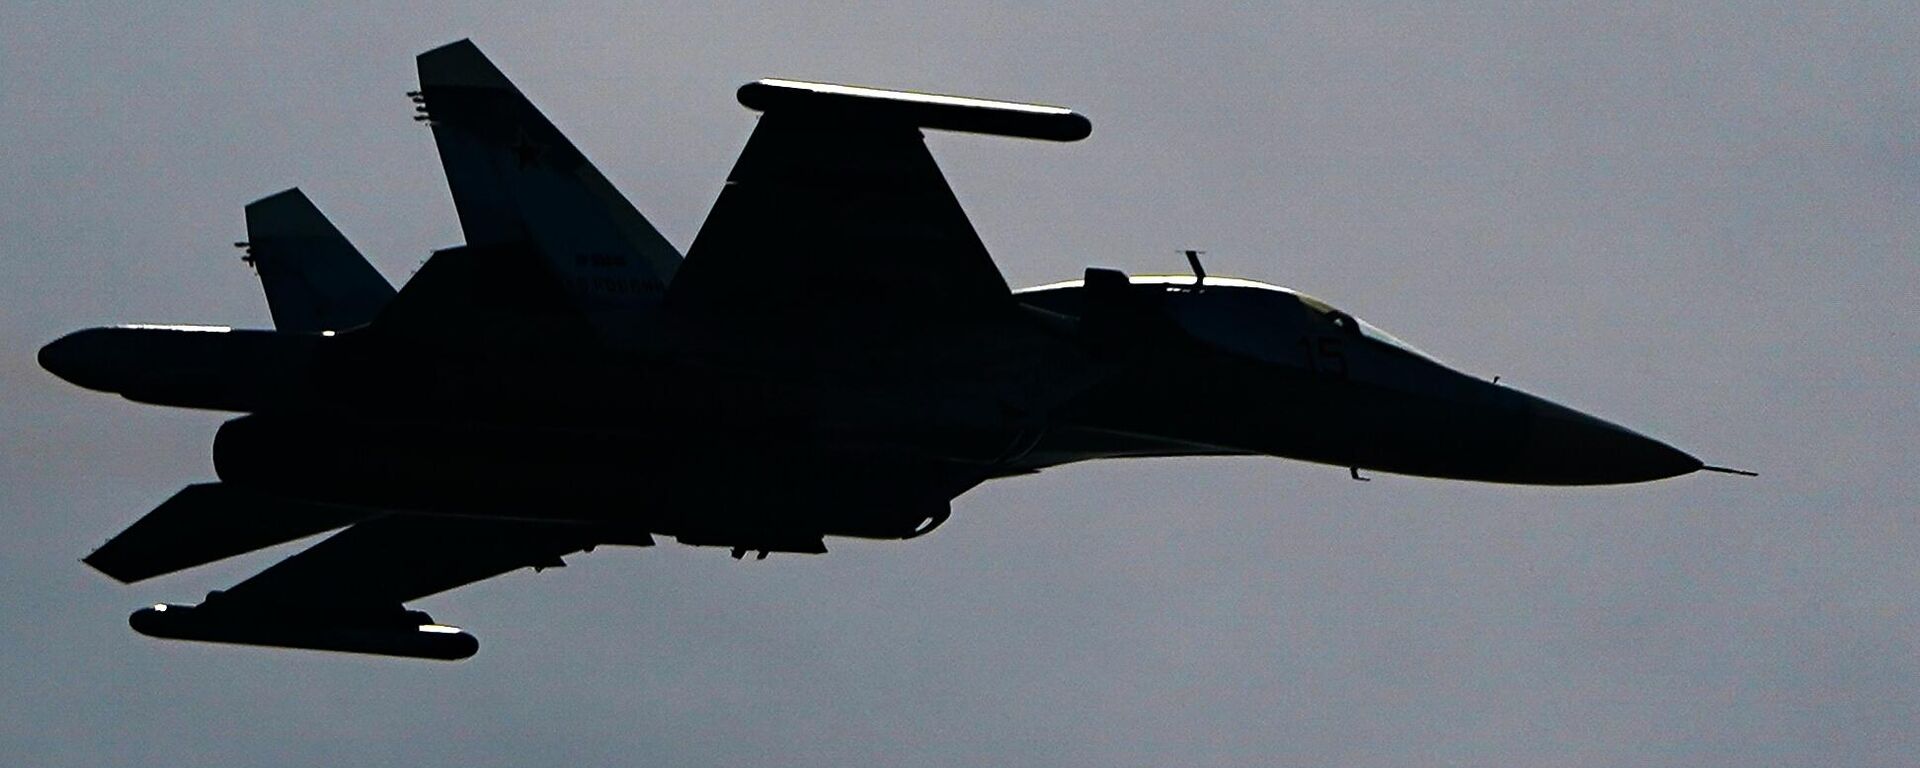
column 747, row 446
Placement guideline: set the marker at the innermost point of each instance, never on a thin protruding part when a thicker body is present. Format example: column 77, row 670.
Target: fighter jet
column 836, row 355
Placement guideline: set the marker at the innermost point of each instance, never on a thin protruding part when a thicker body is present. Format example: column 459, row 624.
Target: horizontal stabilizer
column 925, row 110
column 212, row 521
column 315, row 280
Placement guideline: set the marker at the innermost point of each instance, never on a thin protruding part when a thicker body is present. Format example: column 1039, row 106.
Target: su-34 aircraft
column 836, row 355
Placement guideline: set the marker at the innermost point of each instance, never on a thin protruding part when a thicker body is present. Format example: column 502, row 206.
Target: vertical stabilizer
column 314, row 279
column 518, row 183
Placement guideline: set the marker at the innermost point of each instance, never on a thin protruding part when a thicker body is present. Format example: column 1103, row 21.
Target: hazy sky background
column 1699, row 221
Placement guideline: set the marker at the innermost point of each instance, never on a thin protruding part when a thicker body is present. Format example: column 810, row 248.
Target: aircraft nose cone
column 1567, row 447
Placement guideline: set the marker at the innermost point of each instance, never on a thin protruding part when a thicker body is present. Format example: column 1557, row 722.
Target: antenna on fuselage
column 1199, row 272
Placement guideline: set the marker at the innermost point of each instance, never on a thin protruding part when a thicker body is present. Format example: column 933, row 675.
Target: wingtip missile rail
column 925, row 110
column 417, row 636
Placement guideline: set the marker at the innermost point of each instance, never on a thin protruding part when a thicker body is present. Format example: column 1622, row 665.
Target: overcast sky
column 1699, row 221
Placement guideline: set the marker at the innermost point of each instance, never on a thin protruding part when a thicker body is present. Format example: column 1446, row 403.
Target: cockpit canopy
column 1248, row 317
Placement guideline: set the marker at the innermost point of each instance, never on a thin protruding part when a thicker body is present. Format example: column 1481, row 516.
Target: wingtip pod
column 417, row 641
column 926, row 110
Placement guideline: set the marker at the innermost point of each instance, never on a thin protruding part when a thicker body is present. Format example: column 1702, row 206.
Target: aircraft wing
column 347, row 592
column 398, row 558
column 836, row 217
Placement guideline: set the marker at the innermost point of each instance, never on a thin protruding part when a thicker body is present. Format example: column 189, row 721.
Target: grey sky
column 1699, row 221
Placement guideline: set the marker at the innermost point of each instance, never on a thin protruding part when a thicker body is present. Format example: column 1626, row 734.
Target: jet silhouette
column 835, row 355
